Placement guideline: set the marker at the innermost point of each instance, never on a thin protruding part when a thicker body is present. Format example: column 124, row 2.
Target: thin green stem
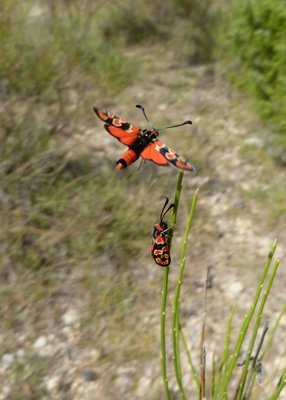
column 255, row 366
column 163, row 341
column 165, row 290
column 280, row 386
column 255, row 331
column 245, row 325
column 213, row 375
column 188, row 353
column 175, row 323
column 225, row 353
column 202, row 345
column 173, row 218
column 272, row 333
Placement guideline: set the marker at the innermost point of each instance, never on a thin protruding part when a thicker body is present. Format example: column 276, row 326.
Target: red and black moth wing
column 152, row 154
column 160, row 243
column 119, row 128
column 160, row 247
column 153, row 150
column 163, row 155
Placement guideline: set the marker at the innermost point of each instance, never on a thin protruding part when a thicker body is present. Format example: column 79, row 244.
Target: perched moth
column 160, row 246
column 142, row 142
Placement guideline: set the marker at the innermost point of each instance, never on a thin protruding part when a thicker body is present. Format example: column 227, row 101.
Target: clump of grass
column 61, row 44
column 225, row 373
column 187, row 25
column 255, row 44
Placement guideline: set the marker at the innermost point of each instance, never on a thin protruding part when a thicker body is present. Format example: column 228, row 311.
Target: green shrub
column 257, row 42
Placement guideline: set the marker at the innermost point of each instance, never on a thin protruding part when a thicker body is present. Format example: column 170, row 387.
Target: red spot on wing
column 173, row 158
column 112, row 119
column 160, row 240
column 161, row 262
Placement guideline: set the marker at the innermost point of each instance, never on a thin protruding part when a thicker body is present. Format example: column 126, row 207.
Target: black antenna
column 143, row 111
column 174, row 126
column 160, row 129
column 162, row 215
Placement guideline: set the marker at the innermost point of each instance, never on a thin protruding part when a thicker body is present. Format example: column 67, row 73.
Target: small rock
column 253, row 141
column 22, row 338
column 144, row 386
column 7, row 361
column 5, row 392
column 124, row 380
column 51, row 337
column 40, row 342
column 64, row 386
column 235, row 288
column 95, row 355
column 36, row 12
column 52, row 383
column 71, row 317
column 89, row 375
column 20, row 354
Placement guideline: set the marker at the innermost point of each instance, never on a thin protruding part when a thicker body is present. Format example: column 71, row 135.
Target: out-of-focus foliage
column 257, row 42
column 44, row 44
column 186, row 26
column 57, row 56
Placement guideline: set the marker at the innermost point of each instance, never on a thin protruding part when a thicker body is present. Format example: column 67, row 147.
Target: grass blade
column 190, row 360
column 245, row 326
column 175, row 322
column 165, row 290
column 225, row 356
column 202, row 345
column 255, row 331
column 273, row 331
column 280, row 386
column 163, row 339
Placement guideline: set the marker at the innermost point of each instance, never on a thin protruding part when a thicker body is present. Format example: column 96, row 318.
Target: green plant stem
column 202, row 345
column 272, row 333
column 280, row 386
column 175, row 322
column 165, row 289
column 245, row 325
column 163, row 337
column 225, row 353
column 256, row 364
column 255, row 331
column 173, row 218
column 193, row 370
column 213, row 375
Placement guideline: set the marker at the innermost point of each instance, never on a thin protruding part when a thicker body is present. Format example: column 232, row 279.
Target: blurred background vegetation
column 257, row 46
column 63, row 208
column 59, row 58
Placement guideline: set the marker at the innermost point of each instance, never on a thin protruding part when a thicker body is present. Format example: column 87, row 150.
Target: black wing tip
column 193, row 169
column 95, row 109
